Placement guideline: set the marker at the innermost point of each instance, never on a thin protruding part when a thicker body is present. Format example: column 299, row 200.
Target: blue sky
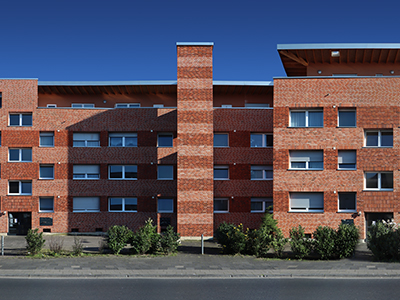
column 136, row 40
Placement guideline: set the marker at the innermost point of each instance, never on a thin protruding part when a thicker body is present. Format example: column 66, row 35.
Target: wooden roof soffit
column 294, row 57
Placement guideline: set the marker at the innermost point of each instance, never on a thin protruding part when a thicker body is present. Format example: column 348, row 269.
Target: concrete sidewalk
column 187, row 263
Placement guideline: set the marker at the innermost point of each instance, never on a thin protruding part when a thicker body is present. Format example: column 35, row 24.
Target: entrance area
column 374, row 217
column 19, row 223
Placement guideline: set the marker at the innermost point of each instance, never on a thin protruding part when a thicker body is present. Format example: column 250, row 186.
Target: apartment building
column 317, row 147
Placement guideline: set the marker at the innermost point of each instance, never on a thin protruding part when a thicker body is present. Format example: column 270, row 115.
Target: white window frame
column 355, row 202
column 307, row 120
column 347, row 110
column 86, row 209
column 379, row 188
column 46, row 210
column 123, row 204
column 264, row 170
column 305, row 159
column 307, row 207
column 345, row 159
column 46, row 166
column 82, row 105
column 20, row 182
column 167, row 210
column 123, row 172
column 379, row 138
column 227, row 140
column 46, row 134
column 19, row 154
column 264, row 204
column 171, row 167
column 20, row 124
column 221, row 168
column 264, row 139
column 221, row 211
column 165, row 134
column 89, row 172
column 127, row 105
column 79, row 137
column 123, row 136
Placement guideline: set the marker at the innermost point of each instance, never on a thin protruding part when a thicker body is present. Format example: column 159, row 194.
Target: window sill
column 221, row 212
column 122, row 211
column 221, row 146
column 261, row 147
column 306, row 211
column 46, row 178
column 46, row 211
column 169, row 179
column 40, row 146
column 19, row 194
column 377, row 190
column 346, row 126
column 122, row 178
column 17, row 161
column 165, row 212
column 376, row 147
column 305, row 169
column 97, row 211
column 261, row 212
column 346, row 211
column 85, row 178
column 266, row 179
column 221, row 178
column 346, row 169
column 122, row 146
column 86, row 146
column 306, row 127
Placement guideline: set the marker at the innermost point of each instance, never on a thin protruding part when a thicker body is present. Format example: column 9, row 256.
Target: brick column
column 195, row 191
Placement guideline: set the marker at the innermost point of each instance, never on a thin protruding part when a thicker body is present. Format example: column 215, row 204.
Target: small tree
column 383, row 239
column 146, row 239
column 35, row 241
column 324, row 244
column 346, row 241
column 301, row 246
column 169, row 240
column 118, row 237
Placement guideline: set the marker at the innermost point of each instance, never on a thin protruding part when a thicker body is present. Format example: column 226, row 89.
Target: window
column 158, row 105
column 306, row 160
column 82, row 105
column 122, row 139
column 306, row 118
column 51, row 105
column 86, row 140
column 122, row 204
column 46, row 139
column 226, row 105
column 165, row 205
column 221, row 172
column 347, row 160
column 256, row 105
column 259, row 140
column 20, row 119
column 165, row 140
column 46, row 172
column 379, row 138
column 1, row 99
column 261, row 173
column 165, row 172
column 347, row 202
column 127, row 105
column 20, row 155
column 261, row 204
column 307, row 202
column 86, row 204
column 221, row 140
column 46, row 204
column 128, row 172
column 86, row 172
column 221, row 205
column 379, row 181
column 20, row 187
column 347, row 118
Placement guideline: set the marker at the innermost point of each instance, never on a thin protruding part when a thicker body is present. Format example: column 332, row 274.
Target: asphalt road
column 221, row 289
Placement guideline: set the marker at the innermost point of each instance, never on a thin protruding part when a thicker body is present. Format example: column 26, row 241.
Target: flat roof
column 195, row 44
column 339, row 46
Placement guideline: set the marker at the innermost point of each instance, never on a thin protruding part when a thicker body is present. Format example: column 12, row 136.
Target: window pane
column 371, row 180
column 26, row 154
column 130, row 204
column 26, row 120
column 386, row 139
column 386, row 180
column 26, row 187
column 47, row 141
column 297, row 165
column 298, row 119
column 256, row 140
column 165, row 140
column 270, row 140
column 220, row 140
column 13, row 154
column 347, row 118
column 130, row 171
column 315, row 119
column 372, row 139
column 316, row 165
column 269, row 174
column 256, row 174
column 115, row 171
column 116, row 141
column 165, row 205
column 130, row 141
column 46, row 204
column 46, row 172
column 220, row 173
column 256, row 205
column 14, row 120
column 13, row 187
column 347, row 201
column 165, row 172
column 115, row 204
column 220, row 205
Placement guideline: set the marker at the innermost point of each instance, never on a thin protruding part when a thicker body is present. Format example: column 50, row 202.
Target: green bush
column 324, row 242
column 169, row 240
column 383, row 239
column 118, row 237
column 34, row 241
column 346, row 240
column 146, row 239
column 231, row 238
column 301, row 246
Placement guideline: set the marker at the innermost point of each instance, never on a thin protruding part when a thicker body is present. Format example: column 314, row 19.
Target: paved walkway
column 187, row 263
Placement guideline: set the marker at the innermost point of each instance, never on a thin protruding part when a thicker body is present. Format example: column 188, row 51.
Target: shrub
column 56, row 244
column 324, row 242
column 34, row 241
column 278, row 243
column 118, row 236
column 77, row 247
column 169, row 240
column 231, row 238
column 301, row 246
column 346, row 240
column 146, row 239
column 383, row 239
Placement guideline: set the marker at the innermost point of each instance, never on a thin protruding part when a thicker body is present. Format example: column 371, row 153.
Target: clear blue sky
column 136, row 40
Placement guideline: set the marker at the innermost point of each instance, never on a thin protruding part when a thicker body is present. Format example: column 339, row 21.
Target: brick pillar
column 195, row 191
